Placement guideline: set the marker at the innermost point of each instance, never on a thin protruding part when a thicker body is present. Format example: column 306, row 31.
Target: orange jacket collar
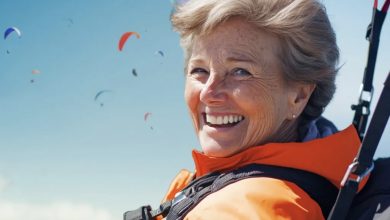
column 328, row 157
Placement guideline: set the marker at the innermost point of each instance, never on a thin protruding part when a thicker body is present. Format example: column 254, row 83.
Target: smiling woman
column 238, row 100
column 259, row 74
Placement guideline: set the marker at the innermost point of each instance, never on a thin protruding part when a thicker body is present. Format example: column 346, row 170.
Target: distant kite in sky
column 160, row 52
column 70, row 22
column 100, row 93
column 134, row 72
column 124, row 38
column 147, row 115
column 10, row 30
column 34, row 72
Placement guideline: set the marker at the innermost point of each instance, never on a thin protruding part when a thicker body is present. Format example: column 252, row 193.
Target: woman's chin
column 217, row 150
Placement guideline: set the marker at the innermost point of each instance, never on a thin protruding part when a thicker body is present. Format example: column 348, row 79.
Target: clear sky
column 63, row 156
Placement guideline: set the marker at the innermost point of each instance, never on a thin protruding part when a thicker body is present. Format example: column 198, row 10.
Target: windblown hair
column 309, row 52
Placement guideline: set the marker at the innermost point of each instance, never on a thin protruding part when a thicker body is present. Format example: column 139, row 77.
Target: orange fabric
column 329, row 157
column 267, row 198
column 180, row 181
column 257, row 198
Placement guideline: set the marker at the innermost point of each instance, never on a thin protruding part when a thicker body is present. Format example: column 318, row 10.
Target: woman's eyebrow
column 248, row 58
column 233, row 57
column 198, row 60
column 240, row 58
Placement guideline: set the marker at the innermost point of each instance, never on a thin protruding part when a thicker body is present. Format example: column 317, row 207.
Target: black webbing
column 376, row 127
column 363, row 163
column 344, row 201
column 364, row 160
column 362, row 109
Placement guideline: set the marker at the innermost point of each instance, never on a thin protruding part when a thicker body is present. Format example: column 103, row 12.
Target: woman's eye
column 242, row 73
column 199, row 71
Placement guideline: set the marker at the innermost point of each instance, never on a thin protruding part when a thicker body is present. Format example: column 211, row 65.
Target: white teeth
column 211, row 119
column 226, row 119
column 220, row 120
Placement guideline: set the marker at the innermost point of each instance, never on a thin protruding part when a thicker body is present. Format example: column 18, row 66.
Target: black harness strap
column 363, row 163
column 362, row 109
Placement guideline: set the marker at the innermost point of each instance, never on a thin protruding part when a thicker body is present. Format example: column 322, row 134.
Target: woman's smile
column 222, row 120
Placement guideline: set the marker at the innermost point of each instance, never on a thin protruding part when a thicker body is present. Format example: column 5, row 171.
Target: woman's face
column 234, row 88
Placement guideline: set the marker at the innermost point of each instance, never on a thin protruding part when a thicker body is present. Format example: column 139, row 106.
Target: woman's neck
column 287, row 132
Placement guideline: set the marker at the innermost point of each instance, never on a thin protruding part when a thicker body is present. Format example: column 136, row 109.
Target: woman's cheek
column 191, row 96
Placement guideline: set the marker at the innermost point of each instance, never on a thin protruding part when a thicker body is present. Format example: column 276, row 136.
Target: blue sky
column 63, row 156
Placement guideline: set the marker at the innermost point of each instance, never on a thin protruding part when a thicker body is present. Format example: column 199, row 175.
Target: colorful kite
column 35, row 71
column 124, row 38
column 10, row 30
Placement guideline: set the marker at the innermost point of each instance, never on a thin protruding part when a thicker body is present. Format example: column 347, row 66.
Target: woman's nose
column 213, row 91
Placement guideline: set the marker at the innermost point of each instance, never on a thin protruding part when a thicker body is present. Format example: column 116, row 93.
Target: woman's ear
column 300, row 94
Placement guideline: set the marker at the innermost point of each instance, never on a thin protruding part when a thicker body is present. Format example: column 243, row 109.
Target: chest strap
column 317, row 187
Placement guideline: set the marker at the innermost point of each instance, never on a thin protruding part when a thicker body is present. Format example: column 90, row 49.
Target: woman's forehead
column 259, row 51
column 236, row 37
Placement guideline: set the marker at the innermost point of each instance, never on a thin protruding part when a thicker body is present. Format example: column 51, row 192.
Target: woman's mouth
column 228, row 120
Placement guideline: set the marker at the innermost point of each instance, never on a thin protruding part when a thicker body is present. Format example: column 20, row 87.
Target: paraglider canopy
column 147, row 115
column 70, row 20
column 124, row 38
column 134, row 72
column 35, row 71
column 160, row 52
column 99, row 94
column 9, row 30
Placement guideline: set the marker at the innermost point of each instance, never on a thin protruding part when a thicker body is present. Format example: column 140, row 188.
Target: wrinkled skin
column 234, row 72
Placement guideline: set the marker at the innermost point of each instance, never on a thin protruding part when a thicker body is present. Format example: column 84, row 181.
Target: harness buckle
column 178, row 197
column 365, row 98
column 350, row 175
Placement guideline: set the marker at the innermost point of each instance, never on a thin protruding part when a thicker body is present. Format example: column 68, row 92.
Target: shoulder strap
column 362, row 108
column 363, row 163
column 373, row 202
column 318, row 188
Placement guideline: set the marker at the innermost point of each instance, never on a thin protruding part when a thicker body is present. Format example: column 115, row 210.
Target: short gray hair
column 309, row 52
